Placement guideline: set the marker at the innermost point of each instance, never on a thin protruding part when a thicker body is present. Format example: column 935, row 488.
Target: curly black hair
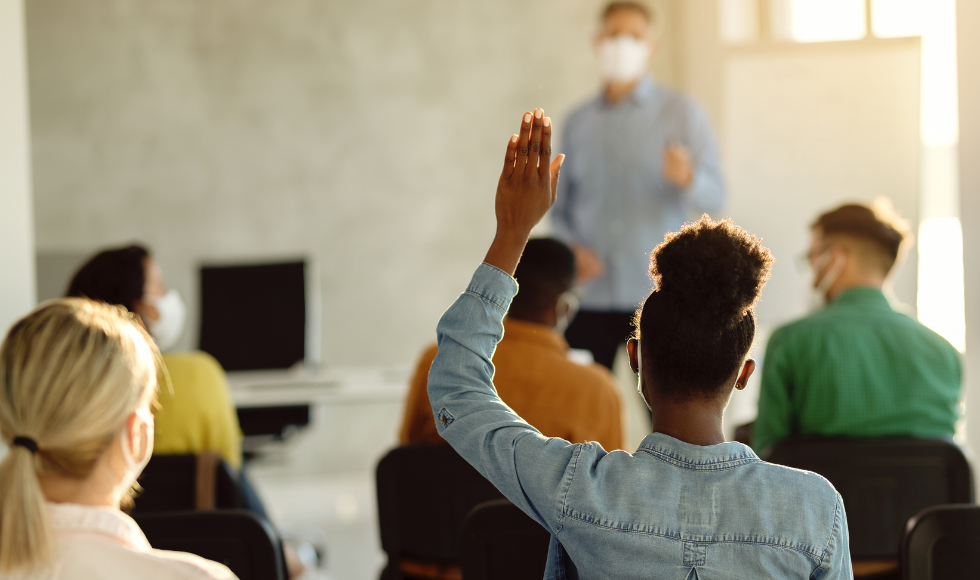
column 698, row 324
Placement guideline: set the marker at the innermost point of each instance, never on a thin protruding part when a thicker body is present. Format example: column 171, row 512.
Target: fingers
column 510, row 158
column 544, row 163
column 555, row 169
column 522, row 144
column 534, row 146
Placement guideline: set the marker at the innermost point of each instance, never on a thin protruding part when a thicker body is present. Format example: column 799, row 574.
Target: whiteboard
column 808, row 127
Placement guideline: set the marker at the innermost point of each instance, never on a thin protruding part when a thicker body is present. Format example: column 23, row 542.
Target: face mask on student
column 623, row 58
column 133, row 467
column 169, row 325
column 566, row 309
column 819, row 288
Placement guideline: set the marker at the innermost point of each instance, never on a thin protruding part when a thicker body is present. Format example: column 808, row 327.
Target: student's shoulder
column 188, row 566
column 194, row 360
column 587, row 378
column 799, row 482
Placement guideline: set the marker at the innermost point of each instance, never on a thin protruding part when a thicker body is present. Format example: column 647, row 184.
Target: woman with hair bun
column 77, row 379
column 686, row 504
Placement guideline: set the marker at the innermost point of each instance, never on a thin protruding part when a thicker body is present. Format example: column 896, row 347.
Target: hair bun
column 712, row 271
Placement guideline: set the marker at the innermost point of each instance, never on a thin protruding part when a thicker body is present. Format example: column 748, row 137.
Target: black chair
column 187, row 482
column 424, row 494
column 883, row 482
column 244, row 542
column 942, row 542
column 500, row 542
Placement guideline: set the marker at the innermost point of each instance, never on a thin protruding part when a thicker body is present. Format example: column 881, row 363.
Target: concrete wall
column 968, row 18
column 364, row 135
column 16, row 219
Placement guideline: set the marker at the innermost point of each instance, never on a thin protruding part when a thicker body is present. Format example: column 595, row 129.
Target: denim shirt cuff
column 493, row 286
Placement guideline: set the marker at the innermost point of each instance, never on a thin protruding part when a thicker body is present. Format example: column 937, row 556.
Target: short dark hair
column 878, row 225
column 115, row 276
column 545, row 272
column 698, row 325
column 616, row 6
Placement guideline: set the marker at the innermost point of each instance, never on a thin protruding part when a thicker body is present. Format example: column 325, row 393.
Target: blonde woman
column 76, row 382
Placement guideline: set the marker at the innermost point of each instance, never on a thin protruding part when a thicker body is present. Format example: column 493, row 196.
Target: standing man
column 642, row 160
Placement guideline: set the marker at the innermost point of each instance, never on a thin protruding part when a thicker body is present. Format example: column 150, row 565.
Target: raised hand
column 527, row 188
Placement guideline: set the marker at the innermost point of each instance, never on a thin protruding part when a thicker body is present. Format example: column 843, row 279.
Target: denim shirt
column 670, row 510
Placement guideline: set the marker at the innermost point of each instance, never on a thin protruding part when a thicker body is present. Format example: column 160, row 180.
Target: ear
column 634, row 354
column 743, row 377
column 134, row 433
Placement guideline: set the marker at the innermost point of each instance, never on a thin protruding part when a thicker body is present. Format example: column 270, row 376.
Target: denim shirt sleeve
column 528, row 468
column 707, row 189
column 836, row 560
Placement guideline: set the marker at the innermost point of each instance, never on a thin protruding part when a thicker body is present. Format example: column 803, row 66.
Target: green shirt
column 857, row 368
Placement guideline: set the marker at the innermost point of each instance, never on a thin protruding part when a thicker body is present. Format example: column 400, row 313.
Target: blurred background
column 364, row 139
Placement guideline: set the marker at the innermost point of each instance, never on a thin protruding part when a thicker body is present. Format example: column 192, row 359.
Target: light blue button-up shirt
column 612, row 195
column 670, row 510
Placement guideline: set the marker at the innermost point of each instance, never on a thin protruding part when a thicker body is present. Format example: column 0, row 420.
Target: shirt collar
column 539, row 334
column 643, row 91
column 677, row 452
column 861, row 296
column 69, row 517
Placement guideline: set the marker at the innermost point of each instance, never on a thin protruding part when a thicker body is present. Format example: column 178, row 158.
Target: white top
column 101, row 543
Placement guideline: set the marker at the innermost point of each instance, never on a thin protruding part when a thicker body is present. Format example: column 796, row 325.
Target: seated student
column 856, row 367
column 534, row 375
column 197, row 414
column 686, row 504
column 76, row 382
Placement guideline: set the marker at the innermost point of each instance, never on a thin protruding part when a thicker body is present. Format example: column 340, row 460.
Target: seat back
column 883, row 482
column 424, row 493
column 244, row 542
column 187, row 482
column 500, row 542
column 942, row 542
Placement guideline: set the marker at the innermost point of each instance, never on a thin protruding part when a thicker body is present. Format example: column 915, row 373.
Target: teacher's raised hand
column 527, row 188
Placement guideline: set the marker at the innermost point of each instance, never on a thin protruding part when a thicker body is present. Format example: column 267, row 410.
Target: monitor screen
column 254, row 316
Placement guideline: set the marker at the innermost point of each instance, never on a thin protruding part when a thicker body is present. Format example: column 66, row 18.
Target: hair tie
column 26, row 443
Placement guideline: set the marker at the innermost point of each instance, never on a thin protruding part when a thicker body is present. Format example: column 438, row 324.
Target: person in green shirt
column 856, row 367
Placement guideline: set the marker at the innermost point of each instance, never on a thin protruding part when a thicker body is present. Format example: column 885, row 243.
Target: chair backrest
column 883, row 482
column 239, row 539
column 500, row 542
column 424, row 494
column 187, row 482
column 942, row 542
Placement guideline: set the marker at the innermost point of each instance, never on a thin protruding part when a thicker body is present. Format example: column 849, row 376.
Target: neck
column 698, row 421
column 616, row 91
column 856, row 280
column 544, row 319
column 100, row 488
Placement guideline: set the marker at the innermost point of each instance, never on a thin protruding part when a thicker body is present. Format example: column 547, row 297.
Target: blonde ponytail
column 71, row 372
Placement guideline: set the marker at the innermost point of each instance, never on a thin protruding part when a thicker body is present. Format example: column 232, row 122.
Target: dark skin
column 699, row 421
column 526, row 190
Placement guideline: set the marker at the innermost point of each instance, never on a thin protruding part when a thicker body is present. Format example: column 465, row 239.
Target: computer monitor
column 255, row 316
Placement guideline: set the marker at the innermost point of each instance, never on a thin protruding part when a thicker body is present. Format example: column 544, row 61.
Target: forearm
column 470, row 415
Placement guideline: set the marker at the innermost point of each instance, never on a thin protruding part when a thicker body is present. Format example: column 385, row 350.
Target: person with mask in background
column 642, row 160
column 856, row 367
column 77, row 381
column 534, row 374
column 197, row 414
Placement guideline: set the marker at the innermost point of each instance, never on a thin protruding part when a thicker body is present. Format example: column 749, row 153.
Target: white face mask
column 169, row 325
column 135, row 468
column 819, row 288
column 623, row 58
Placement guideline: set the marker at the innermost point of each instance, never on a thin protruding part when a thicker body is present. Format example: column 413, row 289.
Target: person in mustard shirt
column 534, row 374
column 196, row 412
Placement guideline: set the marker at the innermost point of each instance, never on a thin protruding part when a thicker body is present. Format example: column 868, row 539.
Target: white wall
column 366, row 135
column 16, row 219
column 968, row 17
